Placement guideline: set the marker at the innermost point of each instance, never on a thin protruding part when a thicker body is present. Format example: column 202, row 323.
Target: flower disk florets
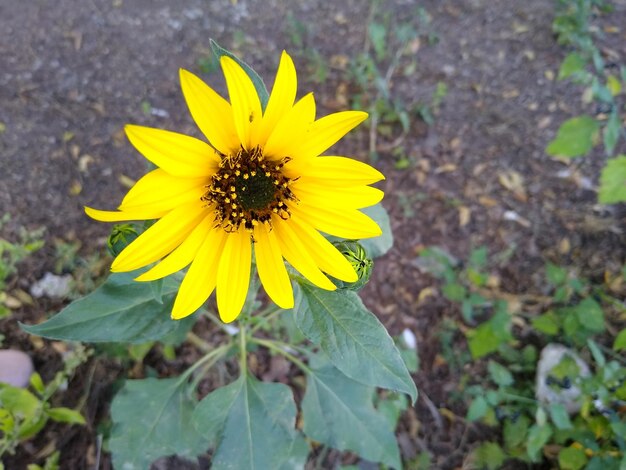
column 247, row 189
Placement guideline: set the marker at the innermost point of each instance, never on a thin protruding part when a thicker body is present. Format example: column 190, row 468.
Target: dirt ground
column 73, row 73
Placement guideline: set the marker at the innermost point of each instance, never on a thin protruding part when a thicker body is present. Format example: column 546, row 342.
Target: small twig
column 433, row 410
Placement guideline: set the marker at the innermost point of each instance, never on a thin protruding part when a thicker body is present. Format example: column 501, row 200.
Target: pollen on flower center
column 247, row 189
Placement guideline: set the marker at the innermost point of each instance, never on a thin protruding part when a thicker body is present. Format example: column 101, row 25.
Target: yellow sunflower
column 260, row 182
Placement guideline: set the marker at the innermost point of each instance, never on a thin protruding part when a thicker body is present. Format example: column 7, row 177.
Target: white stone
column 52, row 285
column 551, row 356
column 16, row 367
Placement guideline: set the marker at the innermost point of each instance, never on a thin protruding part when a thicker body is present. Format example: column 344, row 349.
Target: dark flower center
column 247, row 189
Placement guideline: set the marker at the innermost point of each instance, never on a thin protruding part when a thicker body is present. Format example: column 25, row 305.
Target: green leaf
column 556, row 275
column 257, row 81
column 488, row 337
column 151, row 419
column 611, row 132
column 575, row 137
column 500, row 374
column 352, row 337
column 571, row 64
column 559, row 416
column 571, row 458
column 65, row 415
column 378, row 246
column 120, row 310
column 548, row 323
column 590, row 315
column 377, row 34
column 620, row 341
column 613, row 181
column 477, row 409
column 254, row 425
column 454, row 292
column 489, row 455
column 514, row 432
column 478, row 257
column 537, row 437
column 596, row 353
column 339, row 412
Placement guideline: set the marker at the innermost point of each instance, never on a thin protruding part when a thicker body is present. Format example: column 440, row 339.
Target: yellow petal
column 340, row 222
column 298, row 255
column 177, row 154
column 161, row 238
column 326, row 131
column 233, row 275
column 183, row 255
column 272, row 271
column 325, row 255
column 245, row 102
column 211, row 112
column 291, row 129
column 282, row 96
column 131, row 214
column 201, row 278
column 160, row 190
column 352, row 197
column 337, row 171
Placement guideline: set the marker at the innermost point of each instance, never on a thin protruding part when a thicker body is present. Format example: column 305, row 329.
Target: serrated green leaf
column 489, row 455
column 499, row 374
column 338, row 412
column 477, row 409
column 151, row 419
column 571, row 64
column 559, row 416
column 613, row 181
column 572, row 458
column 537, row 437
column 620, row 341
column 352, row 337
column 514, row 432
column 611, row 132
column 488, row 337
column 575, row 137
column 556, row 275
column 65, row 415
column 257, row 81
column 254, row 424
column 454, row 291
column 378, row 246
column 120, row 310
column 547, row 323
column 590, row 315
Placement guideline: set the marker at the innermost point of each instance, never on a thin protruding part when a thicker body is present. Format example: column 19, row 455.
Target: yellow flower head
column 260, row 181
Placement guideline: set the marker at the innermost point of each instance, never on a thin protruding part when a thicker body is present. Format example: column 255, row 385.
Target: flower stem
column 276, row 347
column 243, row 359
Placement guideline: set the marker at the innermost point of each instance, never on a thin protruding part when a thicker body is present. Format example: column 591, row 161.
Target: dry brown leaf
column 76, row 188
column 465, row 214
column 447, row 168
column 488, row 201
column 126, row 181
column 426, row 293
column 514, row 182
column 84, row 161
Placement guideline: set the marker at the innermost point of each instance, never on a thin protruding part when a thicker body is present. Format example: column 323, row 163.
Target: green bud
column 121, row 236
column 357, row 256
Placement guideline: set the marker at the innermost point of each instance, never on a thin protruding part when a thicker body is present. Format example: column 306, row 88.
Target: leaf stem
column 278, row 348
column 264, row 318
column 214, row 355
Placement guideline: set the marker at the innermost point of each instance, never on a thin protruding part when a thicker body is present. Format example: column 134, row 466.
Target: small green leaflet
column 257, row 81
column 352, row 337
column 571, row 64
column 120, row 310
column 613, row 181
column 151, row 419
column 252, row 426
column 338, row 412
column 575, row 137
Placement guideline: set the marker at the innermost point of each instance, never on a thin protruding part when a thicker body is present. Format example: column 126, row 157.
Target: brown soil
column 73, row 73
